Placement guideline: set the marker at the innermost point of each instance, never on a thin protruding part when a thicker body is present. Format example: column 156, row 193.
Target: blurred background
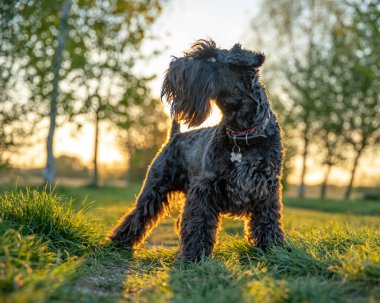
column 80, row 86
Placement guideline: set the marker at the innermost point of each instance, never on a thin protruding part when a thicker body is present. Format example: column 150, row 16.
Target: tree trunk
column 95, row 179
column 301, row 191
column 49, row 171
column 324, row 184
column 349, row 187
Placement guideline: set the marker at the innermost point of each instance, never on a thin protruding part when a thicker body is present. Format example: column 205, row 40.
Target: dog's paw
column 187, row 258
column 121, row 242
column 272, row 244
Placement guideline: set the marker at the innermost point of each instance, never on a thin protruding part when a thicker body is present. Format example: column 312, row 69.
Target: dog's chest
column 250, row 180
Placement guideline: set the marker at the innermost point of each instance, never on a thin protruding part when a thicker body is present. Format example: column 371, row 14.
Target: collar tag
column 236, row 155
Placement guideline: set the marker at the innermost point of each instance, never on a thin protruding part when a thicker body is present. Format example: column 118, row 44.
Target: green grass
column 53, row 249
column 363, row 207
column 52, row 217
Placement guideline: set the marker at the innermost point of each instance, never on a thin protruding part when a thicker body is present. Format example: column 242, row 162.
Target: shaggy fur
column 198, row 162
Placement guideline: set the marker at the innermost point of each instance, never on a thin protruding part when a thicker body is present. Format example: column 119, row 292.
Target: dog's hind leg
column 150, row 206
column 200, row 220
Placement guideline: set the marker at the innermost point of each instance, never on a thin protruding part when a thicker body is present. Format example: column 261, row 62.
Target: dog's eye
column 212, row 59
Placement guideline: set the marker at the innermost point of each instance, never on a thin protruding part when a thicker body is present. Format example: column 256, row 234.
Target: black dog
column 233, row 168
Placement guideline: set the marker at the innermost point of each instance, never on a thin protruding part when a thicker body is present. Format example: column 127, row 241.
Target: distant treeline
column 69, row 61
column 65, row 59
column 324, row 77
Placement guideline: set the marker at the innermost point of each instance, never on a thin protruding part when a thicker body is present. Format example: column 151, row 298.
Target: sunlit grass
column 51, row 217
column 41, row 238
column 329, row 256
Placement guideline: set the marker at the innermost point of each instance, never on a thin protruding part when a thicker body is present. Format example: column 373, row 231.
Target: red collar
column 249, row 134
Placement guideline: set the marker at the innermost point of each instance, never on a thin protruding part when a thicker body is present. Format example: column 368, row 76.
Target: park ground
column 53, row 249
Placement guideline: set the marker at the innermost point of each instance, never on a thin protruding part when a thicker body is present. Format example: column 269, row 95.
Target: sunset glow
column 173, row 36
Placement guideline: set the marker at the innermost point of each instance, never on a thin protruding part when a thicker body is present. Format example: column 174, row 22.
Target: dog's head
column 204, row 73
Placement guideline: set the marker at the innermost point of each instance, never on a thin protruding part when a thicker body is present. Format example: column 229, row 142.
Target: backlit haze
column 182, row 22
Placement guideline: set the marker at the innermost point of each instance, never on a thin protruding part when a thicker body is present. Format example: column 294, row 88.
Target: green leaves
column 326, row 74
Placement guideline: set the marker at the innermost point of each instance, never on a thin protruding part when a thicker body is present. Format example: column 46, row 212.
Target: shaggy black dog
column 233, row 168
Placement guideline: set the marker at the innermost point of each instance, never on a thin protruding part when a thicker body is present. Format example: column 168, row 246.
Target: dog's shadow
column 209, row 280
column 160, row 277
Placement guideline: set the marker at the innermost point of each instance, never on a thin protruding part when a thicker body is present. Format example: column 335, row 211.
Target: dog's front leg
column 263, row 225
column 200, row 220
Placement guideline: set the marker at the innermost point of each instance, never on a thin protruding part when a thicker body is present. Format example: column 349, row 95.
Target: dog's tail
column 175, row 129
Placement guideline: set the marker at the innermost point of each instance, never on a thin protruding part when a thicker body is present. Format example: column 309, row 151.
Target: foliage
column 31, row 35
column 294, row 71
column 70, row 166
column 142, row 136
column 355, row 69
column 91, row 73
column 112, row 39
column 111, row 45
column 12, row 131
column 13, row 112
column 325, row 75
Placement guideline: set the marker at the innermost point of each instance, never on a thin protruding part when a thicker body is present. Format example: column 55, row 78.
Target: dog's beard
column 246, row 107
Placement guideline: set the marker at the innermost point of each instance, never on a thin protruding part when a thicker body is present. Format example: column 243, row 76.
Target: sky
column 181, row 23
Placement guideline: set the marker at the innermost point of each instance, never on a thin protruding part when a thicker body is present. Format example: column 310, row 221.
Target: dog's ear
column 189, row 85
column 260, row 59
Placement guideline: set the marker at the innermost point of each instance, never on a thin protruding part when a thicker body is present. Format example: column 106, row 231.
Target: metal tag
column 236, row 155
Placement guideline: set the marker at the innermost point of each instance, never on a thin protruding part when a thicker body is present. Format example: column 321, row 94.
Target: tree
column 142, row 138
column 328, row 66
column 49, row 171
column 298, row 29
column 37, row 33
column 71, row 166
column 351, row 112
column 13, row 111
column 12, row 134
column 77, row 57
column 332, row 143
column 330, row 111
column 357, row 47
column 112, row 40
